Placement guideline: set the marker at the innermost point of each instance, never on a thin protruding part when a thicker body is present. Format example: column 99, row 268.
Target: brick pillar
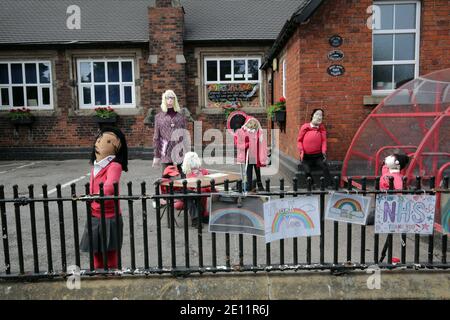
column 166, row 59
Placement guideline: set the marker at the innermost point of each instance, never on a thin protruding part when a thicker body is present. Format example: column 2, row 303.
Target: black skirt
column 111, row 235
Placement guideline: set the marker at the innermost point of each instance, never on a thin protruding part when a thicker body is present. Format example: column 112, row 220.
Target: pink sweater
column 312, row 140
column 108, row 175
column 384, row 179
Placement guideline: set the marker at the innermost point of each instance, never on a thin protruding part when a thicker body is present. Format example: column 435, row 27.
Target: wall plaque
column 335, row 41
column 336, row 70
column 335, row 55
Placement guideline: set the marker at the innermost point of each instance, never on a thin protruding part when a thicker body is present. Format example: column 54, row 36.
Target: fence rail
column 152, row 248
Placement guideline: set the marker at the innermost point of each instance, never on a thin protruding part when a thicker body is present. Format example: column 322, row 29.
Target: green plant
column 20, row 113
column 105, row 112
column 279, row 106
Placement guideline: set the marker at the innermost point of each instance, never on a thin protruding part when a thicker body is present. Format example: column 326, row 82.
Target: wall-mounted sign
column 335, row 41
column 335, row 55
column 336, row 70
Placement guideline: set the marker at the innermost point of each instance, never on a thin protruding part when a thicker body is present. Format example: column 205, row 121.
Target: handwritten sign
column 348, row 208
column 292, row 217
column 232, row 92
column 237, row 214
column 405, row 214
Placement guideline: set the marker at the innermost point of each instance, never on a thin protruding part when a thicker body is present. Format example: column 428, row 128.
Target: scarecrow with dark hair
column 109, row 158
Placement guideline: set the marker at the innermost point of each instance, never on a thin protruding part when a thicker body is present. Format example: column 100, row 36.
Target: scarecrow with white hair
column 169, row 139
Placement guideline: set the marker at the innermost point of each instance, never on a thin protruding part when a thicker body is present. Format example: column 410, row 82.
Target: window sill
column 373, row 100
column 251, row 110
column 120, row 112
column 36, row 113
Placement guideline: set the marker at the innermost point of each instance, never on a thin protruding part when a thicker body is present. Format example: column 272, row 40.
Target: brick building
column 411, row 39
column 63, row 61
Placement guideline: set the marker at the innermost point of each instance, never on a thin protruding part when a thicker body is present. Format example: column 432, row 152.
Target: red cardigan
column 312, row 140
column 108, row 175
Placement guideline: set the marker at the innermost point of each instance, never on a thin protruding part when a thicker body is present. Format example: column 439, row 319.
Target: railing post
column 33, row 229
column 158, row 224
column 295, row 240
column 103, row 224
column 76, row 241
column 322, row 220
column 363, row 227
column 119, row 225
column 309, row 183
column 431, row 236
column 18, row 229
column 131, row 223
column 268, row 255
column 89, row 228
column 5, row 231
column 336, row 229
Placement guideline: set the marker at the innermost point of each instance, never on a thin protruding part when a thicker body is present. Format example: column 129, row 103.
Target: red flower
column 282, row 99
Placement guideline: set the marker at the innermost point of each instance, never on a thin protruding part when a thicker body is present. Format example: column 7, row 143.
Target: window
column 106, row 82
column 26, row 84
column 395, row 45
column 230, row 80
column 284, row 78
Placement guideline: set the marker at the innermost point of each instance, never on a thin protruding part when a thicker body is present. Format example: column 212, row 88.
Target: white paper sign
column 405, row 214
column 348, row 208
column 292, row 217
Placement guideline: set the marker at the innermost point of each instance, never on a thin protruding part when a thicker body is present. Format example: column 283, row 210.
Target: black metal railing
column 181, row 250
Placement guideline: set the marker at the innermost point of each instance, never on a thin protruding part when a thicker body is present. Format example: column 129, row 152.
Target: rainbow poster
column 445, row 212
column 237, row 214
column 292, row 217
column 405, row 213
column 348, row 208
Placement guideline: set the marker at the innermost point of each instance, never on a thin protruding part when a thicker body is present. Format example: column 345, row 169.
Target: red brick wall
column 309, row 86
column 64, row 128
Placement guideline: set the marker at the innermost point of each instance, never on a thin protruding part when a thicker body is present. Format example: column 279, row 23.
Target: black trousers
column 165, row 165
column 249, row 173
column 316, row 160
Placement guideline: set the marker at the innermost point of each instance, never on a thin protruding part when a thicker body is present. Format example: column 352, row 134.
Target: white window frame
column 232, row 58
column 416, row 31
column 106, row 83
column 284, row 78
column 24, row 85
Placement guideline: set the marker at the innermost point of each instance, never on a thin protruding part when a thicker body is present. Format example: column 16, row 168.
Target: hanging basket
column 280, row 116
column 105, row 120
column 22, row 121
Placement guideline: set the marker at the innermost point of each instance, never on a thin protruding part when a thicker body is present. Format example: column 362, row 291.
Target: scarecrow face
column 169, row 100
column 107, row 144
column 317, row 117
column 252, row 124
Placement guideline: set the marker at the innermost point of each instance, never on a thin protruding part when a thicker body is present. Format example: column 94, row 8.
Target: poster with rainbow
column 445, row 212
column 292, row 217
column 237, row 214
column 348, row 208
column 405, row 213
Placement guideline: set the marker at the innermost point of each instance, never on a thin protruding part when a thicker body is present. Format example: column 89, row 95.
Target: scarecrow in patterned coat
column 169, row 140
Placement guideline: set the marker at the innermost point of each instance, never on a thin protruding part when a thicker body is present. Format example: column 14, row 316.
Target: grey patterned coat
column 166, row 137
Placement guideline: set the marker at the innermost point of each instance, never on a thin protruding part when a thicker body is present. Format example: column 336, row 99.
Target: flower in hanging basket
column 279, row 106
column 21, row 116
column 105, row 112
column 230, row 107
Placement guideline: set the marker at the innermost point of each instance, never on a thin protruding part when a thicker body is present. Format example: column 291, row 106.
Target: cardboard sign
column 292, row 217
column 348, row 208
column 405, row 214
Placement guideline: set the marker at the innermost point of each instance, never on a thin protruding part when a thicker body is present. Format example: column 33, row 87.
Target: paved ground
column 24, row 173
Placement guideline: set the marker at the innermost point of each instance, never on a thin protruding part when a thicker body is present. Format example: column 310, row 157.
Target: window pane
column 85, row 72
column 225, row 70
column 405, row 16
column 100, row 95
column 402, row 74
column 211, row 70
column 253, row 69
column 239, row 69
column 127, row 94
column 405, row 46
column 16, row 73
column 46, row 96
column 114, row 94
column 127, row 72
column 44, row 73
column 30, row 73
column 32, row 96
column 86, row 95
column 382, row 77
column 387, row 16
column 4, row 77
column 99, row 72
column 113, row 71
column 5, row 96
column 382, row 47
column 18, row 100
